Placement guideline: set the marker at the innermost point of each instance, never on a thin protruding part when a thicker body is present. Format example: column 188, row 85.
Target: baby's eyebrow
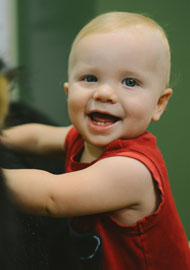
column 127, row 73
column 87, row 69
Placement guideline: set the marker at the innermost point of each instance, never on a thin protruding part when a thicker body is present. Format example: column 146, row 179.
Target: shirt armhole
column 69, row 136
column 151, row 166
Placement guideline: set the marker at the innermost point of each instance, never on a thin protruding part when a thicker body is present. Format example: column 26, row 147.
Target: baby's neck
column 90, row 153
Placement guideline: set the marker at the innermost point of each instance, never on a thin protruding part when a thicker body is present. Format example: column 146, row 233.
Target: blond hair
column 4, row 99
column 112, row 21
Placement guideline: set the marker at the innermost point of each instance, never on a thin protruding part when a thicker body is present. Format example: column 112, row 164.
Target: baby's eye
column 130, row 82
column 90, row 78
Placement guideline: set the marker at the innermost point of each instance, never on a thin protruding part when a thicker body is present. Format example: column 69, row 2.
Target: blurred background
column 37, row 35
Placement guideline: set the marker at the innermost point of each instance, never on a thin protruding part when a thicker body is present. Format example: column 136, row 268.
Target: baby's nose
column 105, row 93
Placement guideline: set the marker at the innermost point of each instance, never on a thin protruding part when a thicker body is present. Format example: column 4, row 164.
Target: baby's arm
column 108, row 185
column 35, row 138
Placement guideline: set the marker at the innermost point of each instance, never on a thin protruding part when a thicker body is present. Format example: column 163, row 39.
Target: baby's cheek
column 74, row 105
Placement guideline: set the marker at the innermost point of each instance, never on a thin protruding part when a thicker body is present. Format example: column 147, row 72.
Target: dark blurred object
column 20, row 113
column 30, row 242
column 21, row 245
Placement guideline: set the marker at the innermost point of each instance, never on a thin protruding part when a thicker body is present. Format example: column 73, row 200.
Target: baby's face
column 116, row 85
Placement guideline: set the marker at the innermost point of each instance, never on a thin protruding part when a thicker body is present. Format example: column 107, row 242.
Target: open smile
column 103, row 119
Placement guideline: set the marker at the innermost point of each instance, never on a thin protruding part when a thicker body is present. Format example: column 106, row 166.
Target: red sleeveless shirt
column 158, row 241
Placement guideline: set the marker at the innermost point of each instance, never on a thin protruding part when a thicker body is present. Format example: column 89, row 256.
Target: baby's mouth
column 103, row 118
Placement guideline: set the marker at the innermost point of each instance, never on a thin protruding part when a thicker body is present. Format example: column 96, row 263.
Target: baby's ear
column 161, row 104
column 66, row 86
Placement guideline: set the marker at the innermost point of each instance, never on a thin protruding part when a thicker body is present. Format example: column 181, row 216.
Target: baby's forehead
column 140, row 37
column 148, row 35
